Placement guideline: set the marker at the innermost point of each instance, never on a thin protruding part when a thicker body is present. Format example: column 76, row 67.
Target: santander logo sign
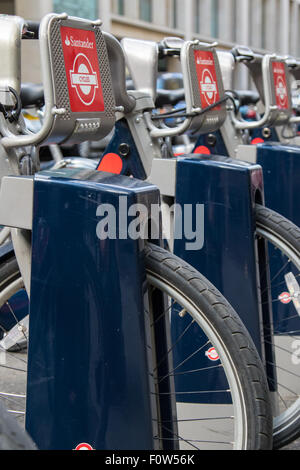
column 82, row 70
column 207, row 78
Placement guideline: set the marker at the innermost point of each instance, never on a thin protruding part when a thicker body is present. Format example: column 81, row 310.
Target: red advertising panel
column 207, row 78
column 280, row 83
column 82, row 70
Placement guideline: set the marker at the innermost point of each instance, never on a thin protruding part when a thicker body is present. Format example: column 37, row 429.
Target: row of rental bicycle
column 150, row 295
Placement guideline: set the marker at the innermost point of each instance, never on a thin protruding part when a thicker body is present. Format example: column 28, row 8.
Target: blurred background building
column 263, row 25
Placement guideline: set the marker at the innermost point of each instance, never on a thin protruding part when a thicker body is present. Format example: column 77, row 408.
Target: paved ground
column 13, row 382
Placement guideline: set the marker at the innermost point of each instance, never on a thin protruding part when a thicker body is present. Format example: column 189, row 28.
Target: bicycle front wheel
column 210, row 365
column 283, row 243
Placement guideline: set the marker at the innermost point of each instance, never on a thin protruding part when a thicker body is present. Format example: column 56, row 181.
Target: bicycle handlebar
column 244, row 54
column 243, row 125
column 169, row 97
column 254, row 62
column 171, row 46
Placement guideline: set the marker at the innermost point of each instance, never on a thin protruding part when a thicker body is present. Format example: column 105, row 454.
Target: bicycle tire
column 285, row 237
column 163, row 267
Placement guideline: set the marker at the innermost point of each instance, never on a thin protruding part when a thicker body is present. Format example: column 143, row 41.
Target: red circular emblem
column 285, row 298
column 84, row 79
column 212, row 354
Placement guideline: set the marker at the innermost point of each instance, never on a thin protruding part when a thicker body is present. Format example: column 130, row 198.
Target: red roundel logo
column 208, row 87
column 84, row 79
column 212, row 355
column 281, row 91
column 207, row 77
column 285, row 298
column 84, row 446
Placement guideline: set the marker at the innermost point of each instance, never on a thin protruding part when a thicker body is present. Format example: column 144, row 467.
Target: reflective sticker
column 280, row 82
column 111, row 163
column 207, row 78
column 212, row 355
column 202, row 150
column 82, row 70
column 257, row 141
column 296, row 353
column 285, row 298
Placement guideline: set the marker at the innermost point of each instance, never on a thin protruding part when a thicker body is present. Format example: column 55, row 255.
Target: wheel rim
column 15, row 399
column 239, row 418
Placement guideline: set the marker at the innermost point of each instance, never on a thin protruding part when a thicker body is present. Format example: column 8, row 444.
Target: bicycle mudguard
column 89, row 365
column 228, row 258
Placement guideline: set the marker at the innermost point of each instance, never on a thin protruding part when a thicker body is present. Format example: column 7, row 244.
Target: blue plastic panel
column 88, row 378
